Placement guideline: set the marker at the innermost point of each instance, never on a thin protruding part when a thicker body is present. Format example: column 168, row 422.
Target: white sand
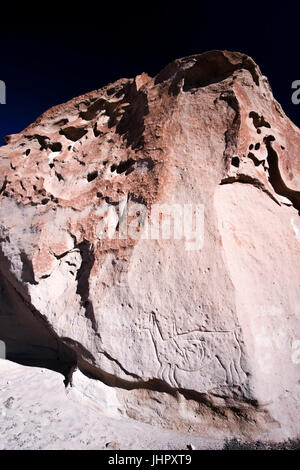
column 37, row 413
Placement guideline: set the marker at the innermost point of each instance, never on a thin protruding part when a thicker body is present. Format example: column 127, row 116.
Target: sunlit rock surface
column 194, row 326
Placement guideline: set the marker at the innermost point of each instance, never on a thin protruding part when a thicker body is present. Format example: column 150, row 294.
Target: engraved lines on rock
column 187, row 352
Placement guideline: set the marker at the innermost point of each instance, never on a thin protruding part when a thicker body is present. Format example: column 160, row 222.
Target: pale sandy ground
column 37, row 413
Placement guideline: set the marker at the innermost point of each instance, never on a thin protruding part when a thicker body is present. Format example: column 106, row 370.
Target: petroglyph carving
column 185, row 352
column 192, row 351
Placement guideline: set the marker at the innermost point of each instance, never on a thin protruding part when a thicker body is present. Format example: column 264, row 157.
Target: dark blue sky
column 51, row 54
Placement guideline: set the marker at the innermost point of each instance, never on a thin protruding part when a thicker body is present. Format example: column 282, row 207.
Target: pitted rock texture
column 203, row 336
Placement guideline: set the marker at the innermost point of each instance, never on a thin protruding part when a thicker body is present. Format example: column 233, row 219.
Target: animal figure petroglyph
column 187, row 352
column 181, row 351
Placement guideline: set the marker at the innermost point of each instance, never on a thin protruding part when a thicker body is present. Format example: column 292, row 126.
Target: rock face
column 150, row 235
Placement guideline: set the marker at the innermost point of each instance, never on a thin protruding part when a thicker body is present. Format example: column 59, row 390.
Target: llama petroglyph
column 193, row 351
column 180, row 351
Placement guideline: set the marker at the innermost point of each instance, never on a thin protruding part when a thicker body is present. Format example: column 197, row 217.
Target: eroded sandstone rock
column 195, row 334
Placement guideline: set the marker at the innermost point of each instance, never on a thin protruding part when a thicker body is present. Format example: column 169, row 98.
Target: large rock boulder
column 150, row 235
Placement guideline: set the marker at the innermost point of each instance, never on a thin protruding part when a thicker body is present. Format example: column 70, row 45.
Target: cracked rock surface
column 191, row 338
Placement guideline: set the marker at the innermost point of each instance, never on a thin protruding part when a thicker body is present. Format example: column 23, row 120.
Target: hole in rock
column 275, row 177
column 258, row 121
column 55, row 147
column 123, row 167
column 235, row 161
column 73, row 133
column 59, row 176
column 96, row 131
column 61, row 122
column 254, row 159
column 91, row 176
